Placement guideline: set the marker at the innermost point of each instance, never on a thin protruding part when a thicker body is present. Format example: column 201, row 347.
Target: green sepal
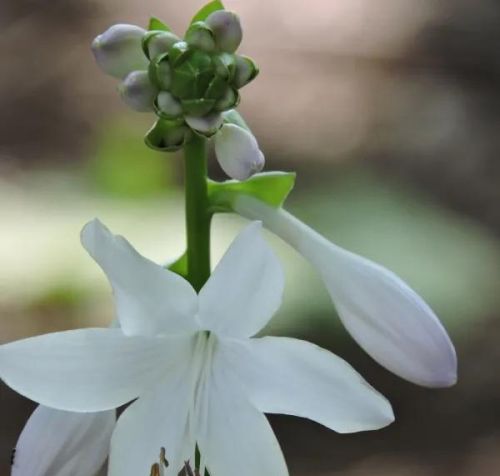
column 225, row 65
column 167, row 135
column 180, row 265
column 160, row 73
column 208, row 9
column 178, row 53
column 197, row 107
column 271, row 188
column 229, row 100
column 155, row 24
column 216, row 88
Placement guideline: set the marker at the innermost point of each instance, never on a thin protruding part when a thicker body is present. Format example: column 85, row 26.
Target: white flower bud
column 118, row 51
column 227, row 30
column 138, row 92
column 238, row 152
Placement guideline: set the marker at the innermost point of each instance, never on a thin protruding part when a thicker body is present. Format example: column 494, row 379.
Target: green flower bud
column 225, row 65
column 167, row 106
column 168, row 136
column 229, row 100
column 191, row 74
column 160, row 72
column 201, row 36
column 156, row 43
column 138, row 91
column 118, row 50
column 227, row 30
column 246, row 71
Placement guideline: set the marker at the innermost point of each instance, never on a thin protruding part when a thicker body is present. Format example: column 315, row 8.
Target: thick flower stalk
column 199, row 375
column 190, row 83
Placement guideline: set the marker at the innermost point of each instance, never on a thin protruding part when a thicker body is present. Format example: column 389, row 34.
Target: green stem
column 198, row 216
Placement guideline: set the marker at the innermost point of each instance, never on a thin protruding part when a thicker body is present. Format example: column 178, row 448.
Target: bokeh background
column 390, row 113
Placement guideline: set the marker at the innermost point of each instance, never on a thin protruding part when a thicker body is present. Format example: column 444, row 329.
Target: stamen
column 155, row 470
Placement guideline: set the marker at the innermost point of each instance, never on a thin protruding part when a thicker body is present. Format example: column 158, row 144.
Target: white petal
column 234, row 437
column 87, row 369
column 385, row 316
column 58, row 443
column 157, row 419
column 118, row 51
column 149, row 299
column 238, row 152
column 294, row 377
column 245, row 289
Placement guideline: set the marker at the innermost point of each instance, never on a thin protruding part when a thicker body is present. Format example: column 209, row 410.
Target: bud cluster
column 189, row 83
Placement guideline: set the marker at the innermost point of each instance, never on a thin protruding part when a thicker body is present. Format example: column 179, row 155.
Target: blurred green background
column 389, row 112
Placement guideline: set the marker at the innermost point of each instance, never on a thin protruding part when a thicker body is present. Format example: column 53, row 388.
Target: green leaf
column 271, row 188
column 180, row 265
column 205, row 11
column 155, row 24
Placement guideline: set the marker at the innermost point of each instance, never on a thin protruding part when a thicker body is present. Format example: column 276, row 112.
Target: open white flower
column 59, row 443
column 382, row 313
column 190, row 359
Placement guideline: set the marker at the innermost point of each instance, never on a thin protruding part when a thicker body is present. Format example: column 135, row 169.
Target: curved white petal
column 157, row 419
column 87, row 369
column 385, row 316
column 58, row 443
column 118, row 51
column 149, row 299
column 234, row 437
column 245, row 289
column 294, row 377
column 238, row 152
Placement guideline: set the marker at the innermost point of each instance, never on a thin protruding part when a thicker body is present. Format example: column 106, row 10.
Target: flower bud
column 167, row 106
column 238, row 152
column 246, row 71
column 138, row 91
column 207, row 125
column 229, row 100
column 118, row 51
column 168, row 135
column 160, row 72
column 201, row 36
column 227, row 30
column 156, row 43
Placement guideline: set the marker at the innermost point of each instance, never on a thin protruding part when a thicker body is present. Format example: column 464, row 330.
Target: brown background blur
column 390, row 113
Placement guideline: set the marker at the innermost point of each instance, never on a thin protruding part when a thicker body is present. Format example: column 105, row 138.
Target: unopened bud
column 118, row 51
column 207, row 125
column 138, row 91
column 238, row 152
column 201, row 36
column 160, row 72
column 229, row 100
column 246, row 71
column 156, row 43
column 168, row 107
column 168, row 135
column 227, row 30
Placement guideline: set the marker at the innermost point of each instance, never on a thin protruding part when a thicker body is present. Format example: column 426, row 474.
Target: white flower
column 118, row 51
column 382, row 313
column 59, row 443
column 194, row 386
